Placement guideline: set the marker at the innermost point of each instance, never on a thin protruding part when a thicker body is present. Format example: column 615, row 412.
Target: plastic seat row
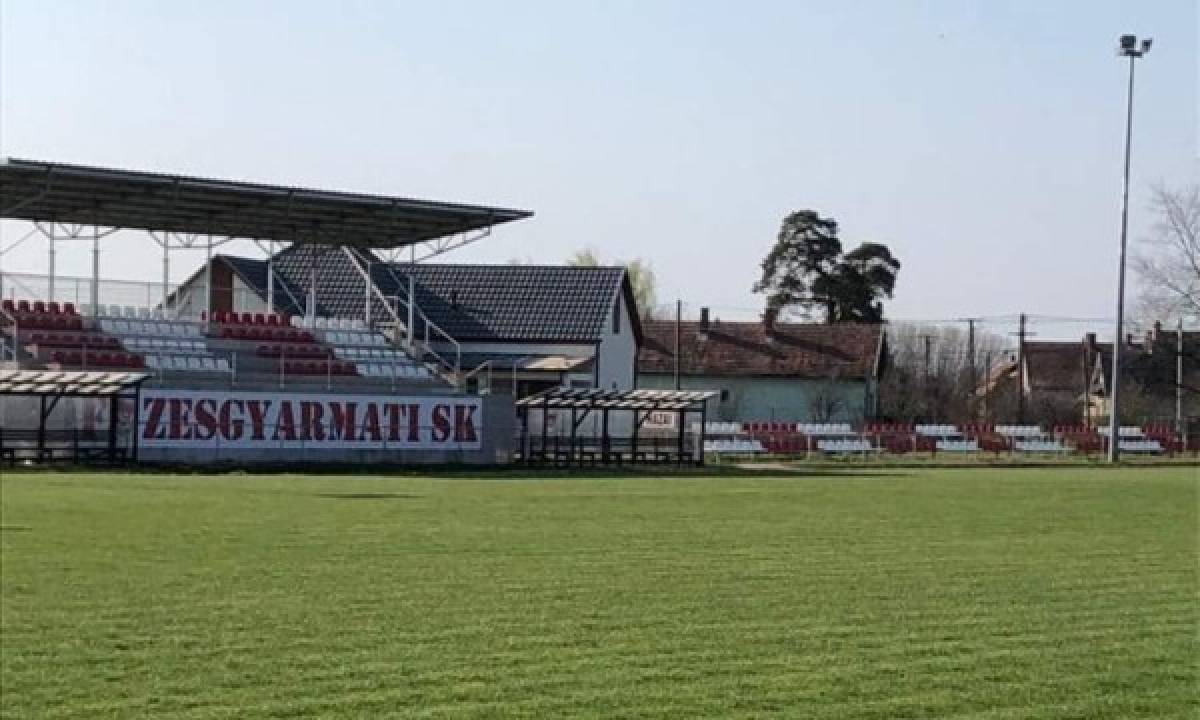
column 844, row 446
column 225, row 317
column 96, row 359
column 129, row 312
column 187, row 363
column 47, row 321
column 824, row 429
column 733, row 446
column 952, row 446
column 1039, row 446
column 1026, row 431
column 386, row 370
column 169, row 345
column 719, row 428
column 355, row 353
column 159, row 328
column 938, row 430
column 355, row 338
column 1125, row 431
column 280, row 334
column 328, row 323
column 38, row 307
column 72, row 339
column 295, row 350
column 1152, row 447
column 312, row 367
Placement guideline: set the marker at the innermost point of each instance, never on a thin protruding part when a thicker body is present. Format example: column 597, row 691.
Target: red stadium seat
column 53, row 308
column 23, row 306
column 259, row 319
column 39, row 307
column 69, row 309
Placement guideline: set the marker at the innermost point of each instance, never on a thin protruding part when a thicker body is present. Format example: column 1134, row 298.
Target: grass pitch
column 1009, row 593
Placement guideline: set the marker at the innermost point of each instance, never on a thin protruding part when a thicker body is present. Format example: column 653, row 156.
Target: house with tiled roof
column 786, row 372
column 1068, row 382
column 522, row 327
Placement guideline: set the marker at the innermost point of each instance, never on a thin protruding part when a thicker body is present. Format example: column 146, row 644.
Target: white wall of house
column 617, row 354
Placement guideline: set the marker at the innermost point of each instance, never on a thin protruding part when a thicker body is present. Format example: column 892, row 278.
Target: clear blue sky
column 980, row 140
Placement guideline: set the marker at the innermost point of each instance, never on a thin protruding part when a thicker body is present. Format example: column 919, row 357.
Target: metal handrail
column 16, row 337
column 391, row 307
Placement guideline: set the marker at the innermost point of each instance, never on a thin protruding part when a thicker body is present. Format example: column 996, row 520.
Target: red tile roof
column 744, row 348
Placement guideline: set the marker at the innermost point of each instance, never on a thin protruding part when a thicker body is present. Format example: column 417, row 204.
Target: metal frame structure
column 67, row 201
column 642, row 403
column 52, row 386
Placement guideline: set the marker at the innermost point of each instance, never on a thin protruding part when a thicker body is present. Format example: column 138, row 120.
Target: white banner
column 233, row 419
column 660, row 420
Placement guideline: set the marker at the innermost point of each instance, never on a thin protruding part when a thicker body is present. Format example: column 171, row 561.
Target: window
column 617, row 316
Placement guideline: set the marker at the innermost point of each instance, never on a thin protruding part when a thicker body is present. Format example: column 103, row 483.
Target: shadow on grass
column 471, row 472
column 367, row 496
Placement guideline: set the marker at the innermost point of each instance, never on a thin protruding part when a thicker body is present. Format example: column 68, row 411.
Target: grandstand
column 258, row 385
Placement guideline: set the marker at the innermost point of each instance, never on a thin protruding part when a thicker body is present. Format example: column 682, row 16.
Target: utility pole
column 1129, row 48
column 1021, row 371
column 974, row 377
column 678, row 322
column 1179, row 378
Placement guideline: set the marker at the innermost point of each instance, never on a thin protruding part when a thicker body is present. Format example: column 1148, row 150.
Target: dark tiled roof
column 1059, row 366
column 744, row 348
column 288, row 298
column 520, row 303
column 493, row 303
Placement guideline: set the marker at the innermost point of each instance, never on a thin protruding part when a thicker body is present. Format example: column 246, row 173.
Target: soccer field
column 1002, row 593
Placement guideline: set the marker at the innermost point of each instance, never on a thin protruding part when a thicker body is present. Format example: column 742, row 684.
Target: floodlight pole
column 1130, row 50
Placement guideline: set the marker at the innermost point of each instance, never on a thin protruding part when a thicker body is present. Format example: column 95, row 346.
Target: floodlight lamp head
column 1128, row 42
column 1146, row 45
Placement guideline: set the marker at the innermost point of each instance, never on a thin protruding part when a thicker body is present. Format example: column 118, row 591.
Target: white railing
column 395, row 303
column 10, row 347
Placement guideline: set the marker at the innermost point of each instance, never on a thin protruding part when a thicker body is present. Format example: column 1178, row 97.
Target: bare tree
column 1169, row 264
column 641, row 277
column 938, row 385
column 826, row 402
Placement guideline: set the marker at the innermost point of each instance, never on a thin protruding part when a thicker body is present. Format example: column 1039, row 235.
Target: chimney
column 1091, row 340
column 703, row 319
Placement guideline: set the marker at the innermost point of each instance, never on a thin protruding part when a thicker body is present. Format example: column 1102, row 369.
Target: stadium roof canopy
column 600, row 399
column 75, row 194
column 72, row 383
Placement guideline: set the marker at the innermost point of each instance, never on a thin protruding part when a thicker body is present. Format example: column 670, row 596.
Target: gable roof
column 521, row 303
column 480, row 303
column 844, row 351
column 1058, row 366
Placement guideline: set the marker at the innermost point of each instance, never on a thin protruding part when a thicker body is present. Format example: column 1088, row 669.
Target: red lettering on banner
column 285, row 426
column 231, row 428
column 312, row 415
column 414, row 423
column 180, row 422
column 342, row 425
column 154, row 411
column 206, row 421
column 393, row 422
column 441, row 423
column 370, row 426
column 258, row 418
column 464, row 423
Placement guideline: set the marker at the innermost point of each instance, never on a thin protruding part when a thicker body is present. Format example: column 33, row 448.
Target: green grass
column 981, row 593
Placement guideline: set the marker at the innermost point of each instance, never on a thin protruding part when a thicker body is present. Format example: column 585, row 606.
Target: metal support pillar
column 166, row 289
column 95, row 295
column 50, row 263
column 208, row 278
column 271, row 277
column 367, row 285
column 412, row 313
column 312, row 286
column 112, row 430
column 682, row 430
